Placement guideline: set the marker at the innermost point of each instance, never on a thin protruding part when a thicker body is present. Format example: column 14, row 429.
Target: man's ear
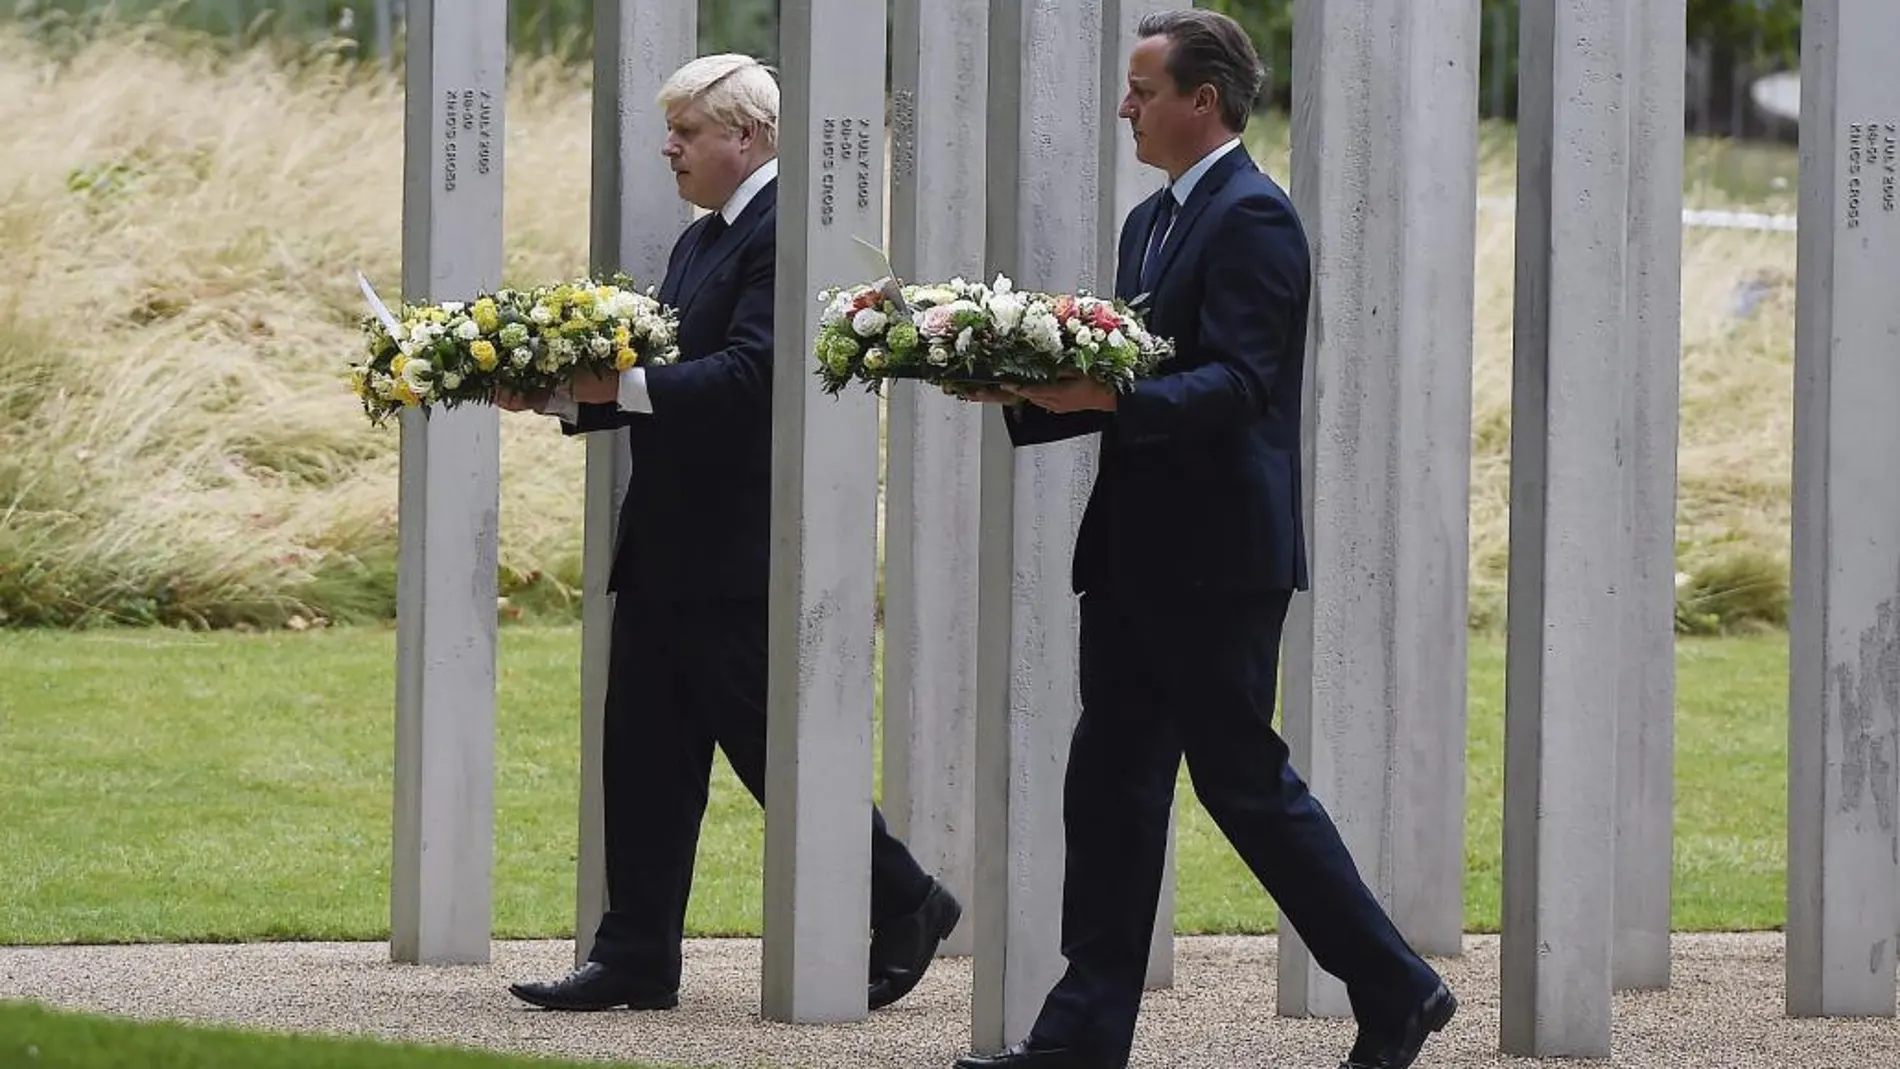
column 1207, row 98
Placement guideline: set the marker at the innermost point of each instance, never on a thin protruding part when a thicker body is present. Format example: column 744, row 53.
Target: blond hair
column 735, row 91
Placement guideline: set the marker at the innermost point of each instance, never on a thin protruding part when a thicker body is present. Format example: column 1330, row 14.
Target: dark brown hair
column 1208, row 48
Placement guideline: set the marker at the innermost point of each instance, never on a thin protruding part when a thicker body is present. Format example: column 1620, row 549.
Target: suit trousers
column 1160, row 682
column 686, row 676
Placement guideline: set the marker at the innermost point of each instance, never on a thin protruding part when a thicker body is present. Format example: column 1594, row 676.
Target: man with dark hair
column 1187, row 557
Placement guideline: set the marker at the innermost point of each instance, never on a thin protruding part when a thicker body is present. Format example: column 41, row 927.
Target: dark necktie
column 715, row 226
column 1151, row 261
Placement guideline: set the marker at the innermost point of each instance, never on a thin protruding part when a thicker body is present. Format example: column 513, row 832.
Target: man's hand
column 511, row 401
column 1070, row 393
column 596, row 388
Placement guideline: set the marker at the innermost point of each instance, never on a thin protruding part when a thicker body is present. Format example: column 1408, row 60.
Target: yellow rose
column 625, row 358
column 484, row 353
column 486, row 315
column 622, row 337
column 397, row 363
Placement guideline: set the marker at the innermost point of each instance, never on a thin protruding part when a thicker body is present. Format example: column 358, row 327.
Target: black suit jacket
column 696, row 522
column 1198, row 489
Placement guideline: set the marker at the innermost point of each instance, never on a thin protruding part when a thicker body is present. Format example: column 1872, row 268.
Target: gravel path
column 1725, row 1009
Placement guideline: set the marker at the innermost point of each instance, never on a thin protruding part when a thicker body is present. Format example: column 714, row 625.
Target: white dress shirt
column 1183, row 187
column 633, row 381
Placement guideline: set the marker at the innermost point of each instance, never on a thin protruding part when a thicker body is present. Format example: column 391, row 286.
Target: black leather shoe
column 1397, row 1048
column 1030, row 1054
column 594, row 986
column 904, row 948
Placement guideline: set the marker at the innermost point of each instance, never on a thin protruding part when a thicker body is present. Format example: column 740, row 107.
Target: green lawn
column 166, row 786
column 45, row 1039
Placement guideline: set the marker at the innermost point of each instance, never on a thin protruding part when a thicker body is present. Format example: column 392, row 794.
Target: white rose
column 1002, row 284
column 1007, row 311
column 451, row 381
column 840, row 304
column 1116, row 340
column 599, row 345
column 966, row 339
column 417, row 373
column 869, row 322
column 452, row 307
column 1044, row 331
column 467, row 330
column 939, row 355
column 541, row 315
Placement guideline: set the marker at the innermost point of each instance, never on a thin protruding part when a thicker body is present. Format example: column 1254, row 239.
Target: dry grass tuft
column 1736, row 425
column 181, row 229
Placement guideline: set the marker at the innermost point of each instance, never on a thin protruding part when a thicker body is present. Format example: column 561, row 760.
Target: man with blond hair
column 688, row 663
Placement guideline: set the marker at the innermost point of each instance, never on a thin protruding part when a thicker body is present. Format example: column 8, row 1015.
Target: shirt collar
column 749, row 189
column 1183, row 186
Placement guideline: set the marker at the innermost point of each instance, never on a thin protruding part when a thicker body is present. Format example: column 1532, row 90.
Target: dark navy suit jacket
column 696, row 522
column 1198, row 489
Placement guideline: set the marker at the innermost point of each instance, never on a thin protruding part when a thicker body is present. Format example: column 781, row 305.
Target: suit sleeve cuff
column 1136, row 417
column 633, row 391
